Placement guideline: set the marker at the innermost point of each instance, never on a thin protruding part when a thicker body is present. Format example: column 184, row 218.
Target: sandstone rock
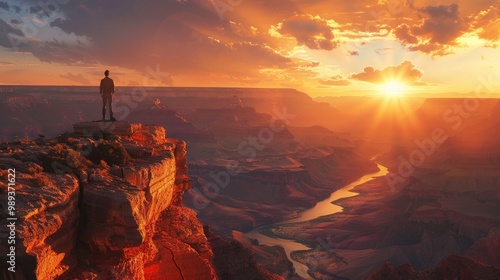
column 233, row 261
column 273, row 259
column 487, row 249
column 113, row 216
column 132, row 225
column 150, row 134
column 184, row 252
column 99, row 129
column 121, row 216
column 118, row 211
column 46, row 227
column 95, row 176
column 83, row 176
column 137, row 151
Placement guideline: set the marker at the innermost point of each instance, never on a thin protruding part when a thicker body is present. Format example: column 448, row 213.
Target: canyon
column 115, row 215
column 253, row 159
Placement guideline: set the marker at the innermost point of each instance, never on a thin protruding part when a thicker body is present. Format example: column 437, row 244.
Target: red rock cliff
column 87, row 211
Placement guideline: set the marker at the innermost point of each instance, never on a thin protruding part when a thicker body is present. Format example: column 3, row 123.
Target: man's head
column 106, row 73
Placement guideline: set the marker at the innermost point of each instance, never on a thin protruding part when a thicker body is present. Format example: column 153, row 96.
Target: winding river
column 322, row 208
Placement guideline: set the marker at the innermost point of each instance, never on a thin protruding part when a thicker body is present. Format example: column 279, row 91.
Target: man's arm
column 112, row 87
column 100, row 88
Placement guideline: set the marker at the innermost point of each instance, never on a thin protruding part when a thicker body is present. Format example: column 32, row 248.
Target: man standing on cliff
column 107, row 90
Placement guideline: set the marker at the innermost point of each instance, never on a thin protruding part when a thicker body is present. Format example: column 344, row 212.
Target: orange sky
column 317, row 46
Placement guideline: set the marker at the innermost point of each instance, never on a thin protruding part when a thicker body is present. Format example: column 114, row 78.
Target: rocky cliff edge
column 103, row 202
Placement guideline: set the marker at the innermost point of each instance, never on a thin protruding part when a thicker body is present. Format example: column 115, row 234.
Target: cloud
column 6, row 32
column 17, row 8
column 406, row 72
column 183, row 38
column 4, row 5
column 37, row 10
column 314, row 32
column 80, row 79
column 487, row 22
column 6, row 63
column 254, row 42
column 491, row 32
column 336, row 80
column 437, row 31
column 58, row 52
column 383, row 51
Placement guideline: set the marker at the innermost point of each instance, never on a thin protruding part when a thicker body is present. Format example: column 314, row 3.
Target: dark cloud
column 313, row 32
column 45, row 9
column 6, row 32
column 442, row 26
column 336, row 80
column 17, row 8
column 181, row 37
column 405, row 72
column 436, row 32
column 190, row 39
column 46, row 51
column 4, row 5
column 403, row 33
column 35, row 9
column 59, row 52
column 6, row 63
column 79, row 79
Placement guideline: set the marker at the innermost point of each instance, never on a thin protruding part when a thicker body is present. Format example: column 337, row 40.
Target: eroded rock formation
column 92, row 219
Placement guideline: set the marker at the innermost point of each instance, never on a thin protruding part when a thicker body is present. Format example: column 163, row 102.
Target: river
column 322, row 208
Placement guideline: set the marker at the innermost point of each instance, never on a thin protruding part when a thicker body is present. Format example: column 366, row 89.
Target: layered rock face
column 46, row 225
column 98, row 219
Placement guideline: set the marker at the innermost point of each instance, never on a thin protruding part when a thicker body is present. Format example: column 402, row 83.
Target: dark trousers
column 106, row 99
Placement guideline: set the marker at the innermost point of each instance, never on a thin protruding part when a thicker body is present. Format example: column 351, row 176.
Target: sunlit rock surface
column 98, row 220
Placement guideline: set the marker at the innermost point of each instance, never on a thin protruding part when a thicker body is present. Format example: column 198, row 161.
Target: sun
column 393, row 88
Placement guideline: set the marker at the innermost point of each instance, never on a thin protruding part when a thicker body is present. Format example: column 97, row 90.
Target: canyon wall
column 86, row 209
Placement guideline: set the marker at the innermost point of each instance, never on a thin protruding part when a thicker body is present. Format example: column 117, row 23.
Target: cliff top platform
column 105, row 129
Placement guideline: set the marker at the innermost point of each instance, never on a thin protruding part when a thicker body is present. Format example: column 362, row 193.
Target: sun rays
column 393, row 88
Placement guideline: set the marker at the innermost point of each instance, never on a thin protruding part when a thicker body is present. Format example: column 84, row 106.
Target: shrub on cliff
column 62, row 159
column 112, row 152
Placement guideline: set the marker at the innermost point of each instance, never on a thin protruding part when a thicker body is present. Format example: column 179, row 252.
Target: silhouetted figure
column 107, row 90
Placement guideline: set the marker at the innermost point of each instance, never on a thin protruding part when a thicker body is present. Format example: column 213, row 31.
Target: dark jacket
column 107, row 86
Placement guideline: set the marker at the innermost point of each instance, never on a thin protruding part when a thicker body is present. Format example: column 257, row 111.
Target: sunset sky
column 320, row 47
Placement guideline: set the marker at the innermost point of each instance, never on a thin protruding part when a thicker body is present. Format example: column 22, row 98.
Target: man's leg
column 104, row 100
column 110, row 100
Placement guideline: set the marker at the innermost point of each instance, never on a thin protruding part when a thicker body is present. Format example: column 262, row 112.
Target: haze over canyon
column 242, row 183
